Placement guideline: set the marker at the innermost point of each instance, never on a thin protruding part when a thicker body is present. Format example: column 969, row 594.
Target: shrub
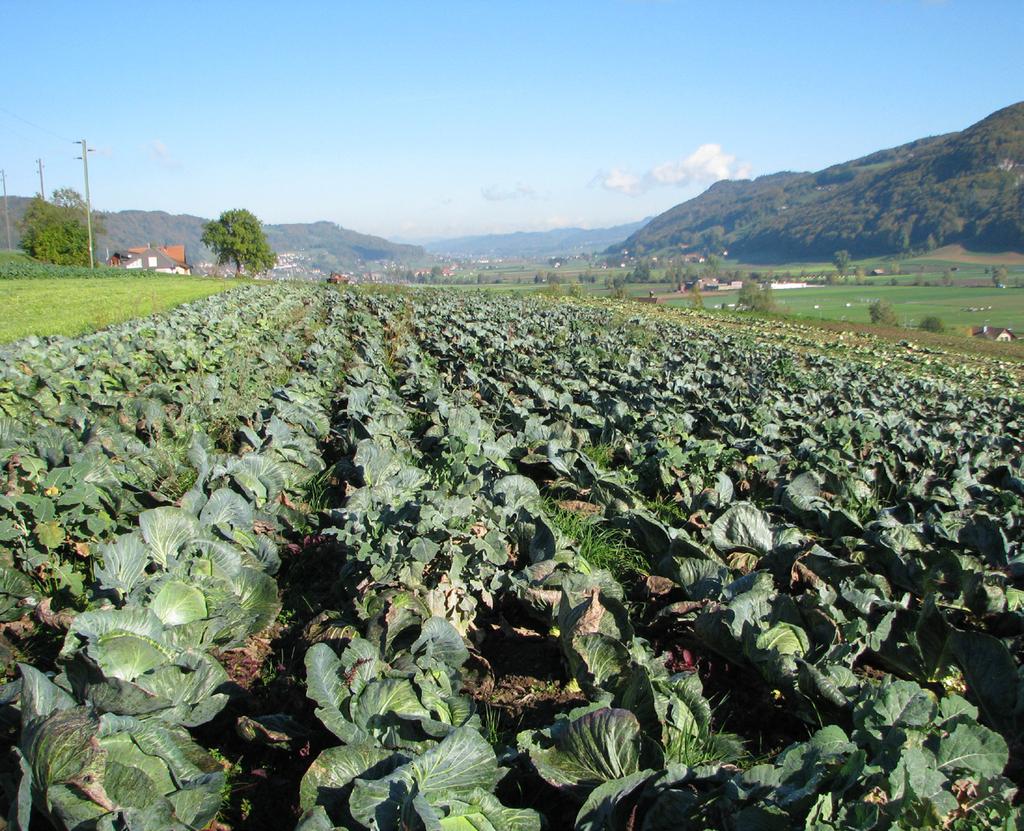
column 696, row 298
column 932, row 323
column 882, row 313
column 756, row 298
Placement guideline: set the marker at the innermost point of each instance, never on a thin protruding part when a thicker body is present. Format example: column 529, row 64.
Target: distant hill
column 963, row 188
column 332, row 247
column 527, row 244
column 326, row 245
column 128, row 228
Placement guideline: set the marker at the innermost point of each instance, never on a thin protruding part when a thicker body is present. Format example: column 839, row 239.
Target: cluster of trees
column 999, row 275
column 616, row 284
column 434, row 275
column 55, row 231
column 678, row 276
column 676, row 272
column 842, row 261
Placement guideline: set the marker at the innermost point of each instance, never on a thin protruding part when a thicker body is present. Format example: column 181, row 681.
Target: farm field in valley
column 370, row 461
column 954, row 304
column 536, row 559
column 959, row 306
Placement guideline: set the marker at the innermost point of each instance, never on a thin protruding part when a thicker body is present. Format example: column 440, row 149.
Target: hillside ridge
column 964, row 188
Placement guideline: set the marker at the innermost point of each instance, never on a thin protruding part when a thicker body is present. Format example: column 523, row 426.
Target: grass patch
column 600, row 454
column 669, row 511
column 599, row 547
column 702, row 747
column 174, row 473
column 75, row 306
column 15, row 258
column 315, row 491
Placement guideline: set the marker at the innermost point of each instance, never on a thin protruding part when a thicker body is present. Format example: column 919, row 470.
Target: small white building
column 168, row 259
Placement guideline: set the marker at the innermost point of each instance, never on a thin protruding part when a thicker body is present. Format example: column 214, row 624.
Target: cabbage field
column 295, row 557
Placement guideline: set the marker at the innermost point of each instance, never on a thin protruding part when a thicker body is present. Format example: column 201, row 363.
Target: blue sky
column 425, row 119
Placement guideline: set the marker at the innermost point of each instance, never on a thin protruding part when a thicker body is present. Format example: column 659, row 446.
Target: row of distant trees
column 55, row 232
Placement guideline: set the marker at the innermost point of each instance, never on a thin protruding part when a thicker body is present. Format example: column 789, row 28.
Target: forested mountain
column 965, row 187
column 535, row 243
column 325, row 244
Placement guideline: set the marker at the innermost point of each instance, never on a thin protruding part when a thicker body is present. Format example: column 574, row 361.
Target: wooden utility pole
column 42, row 190
column 88, row 206
column 7, row 213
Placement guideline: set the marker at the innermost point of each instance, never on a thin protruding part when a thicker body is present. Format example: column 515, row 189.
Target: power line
column 25, row 137
column 36, row 126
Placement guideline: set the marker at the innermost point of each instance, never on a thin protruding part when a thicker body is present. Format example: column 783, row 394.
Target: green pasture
column 74, row 306
column 953, row 304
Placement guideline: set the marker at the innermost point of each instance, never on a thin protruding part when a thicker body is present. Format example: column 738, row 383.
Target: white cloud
column 159, row 152
column 620, row 180
column 494, row 193
column 708, row 163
